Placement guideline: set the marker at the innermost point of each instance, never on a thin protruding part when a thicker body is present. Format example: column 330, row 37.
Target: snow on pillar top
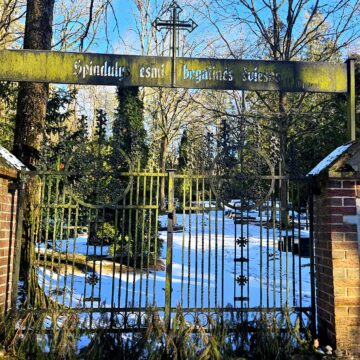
column 344, row 159
column 10, row 163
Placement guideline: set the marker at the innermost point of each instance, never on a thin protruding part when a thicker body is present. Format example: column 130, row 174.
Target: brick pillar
column 336, row 224
column 8, row 214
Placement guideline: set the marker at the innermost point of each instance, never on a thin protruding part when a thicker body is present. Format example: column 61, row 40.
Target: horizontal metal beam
column 185, row 310
column 151, row 71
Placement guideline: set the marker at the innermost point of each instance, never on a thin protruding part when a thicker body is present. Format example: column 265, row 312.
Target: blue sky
column 125, row 9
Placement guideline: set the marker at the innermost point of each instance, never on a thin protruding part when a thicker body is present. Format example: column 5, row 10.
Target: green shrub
column 22, row 335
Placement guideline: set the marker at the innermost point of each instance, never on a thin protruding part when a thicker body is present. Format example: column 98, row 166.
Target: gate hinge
column 17, row 185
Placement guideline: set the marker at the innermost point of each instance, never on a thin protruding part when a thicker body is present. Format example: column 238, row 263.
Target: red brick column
column 336, row 223
column 8, row 212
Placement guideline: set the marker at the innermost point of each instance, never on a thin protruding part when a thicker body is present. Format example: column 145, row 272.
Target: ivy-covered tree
column 129, row 133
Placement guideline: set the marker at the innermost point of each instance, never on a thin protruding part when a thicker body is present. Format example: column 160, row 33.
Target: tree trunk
column 30, row 120
column 32, row 97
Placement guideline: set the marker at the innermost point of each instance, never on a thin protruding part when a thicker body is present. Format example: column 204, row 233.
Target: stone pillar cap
column 10, row 165
column 345, row 158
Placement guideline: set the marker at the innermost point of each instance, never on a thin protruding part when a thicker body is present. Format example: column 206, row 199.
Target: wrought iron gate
column 225, row 244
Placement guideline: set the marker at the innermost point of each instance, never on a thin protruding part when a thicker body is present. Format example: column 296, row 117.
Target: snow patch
column 10, row 159
column 203, row 274
column 329, row 159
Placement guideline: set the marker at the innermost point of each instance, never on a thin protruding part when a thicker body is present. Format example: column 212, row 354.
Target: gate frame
column 34, row 76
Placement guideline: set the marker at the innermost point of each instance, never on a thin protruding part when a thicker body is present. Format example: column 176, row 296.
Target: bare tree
column 78, row 25
column 167, row 111
column 11, row 29
column 282, row 31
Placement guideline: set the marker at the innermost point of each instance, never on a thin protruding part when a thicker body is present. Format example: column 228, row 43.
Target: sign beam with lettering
column 149, row 71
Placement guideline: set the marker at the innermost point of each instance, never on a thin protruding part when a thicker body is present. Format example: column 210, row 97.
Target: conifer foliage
column 128, row 130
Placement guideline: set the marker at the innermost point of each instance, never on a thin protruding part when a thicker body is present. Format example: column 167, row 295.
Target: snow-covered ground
column 203, row 271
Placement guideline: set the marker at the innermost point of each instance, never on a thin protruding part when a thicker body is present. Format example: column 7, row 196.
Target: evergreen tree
column 59, row 140
column 129, row 134
column 183, row 151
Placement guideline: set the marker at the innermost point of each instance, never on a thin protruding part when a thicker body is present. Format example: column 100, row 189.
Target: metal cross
column 174, row 24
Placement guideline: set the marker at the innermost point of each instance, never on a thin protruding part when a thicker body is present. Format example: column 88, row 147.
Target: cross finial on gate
column 174, row 24
column 174, row 21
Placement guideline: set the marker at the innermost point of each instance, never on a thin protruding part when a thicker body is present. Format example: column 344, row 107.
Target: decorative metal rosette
column 97, row 177
column 241, row 241
column 244, row 174
column 242, row 280
column 92, row 279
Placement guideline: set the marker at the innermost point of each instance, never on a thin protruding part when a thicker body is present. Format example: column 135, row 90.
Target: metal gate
column 227, row 243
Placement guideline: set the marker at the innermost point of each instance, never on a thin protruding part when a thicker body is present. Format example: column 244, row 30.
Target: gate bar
column 169, row 246
column 312, row 256
column 20, row 187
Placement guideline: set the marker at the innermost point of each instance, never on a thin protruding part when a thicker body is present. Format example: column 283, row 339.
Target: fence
column 121, row 252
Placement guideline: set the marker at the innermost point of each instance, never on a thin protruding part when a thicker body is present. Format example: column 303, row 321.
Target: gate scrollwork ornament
column 242, row 179
column 96, row 177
